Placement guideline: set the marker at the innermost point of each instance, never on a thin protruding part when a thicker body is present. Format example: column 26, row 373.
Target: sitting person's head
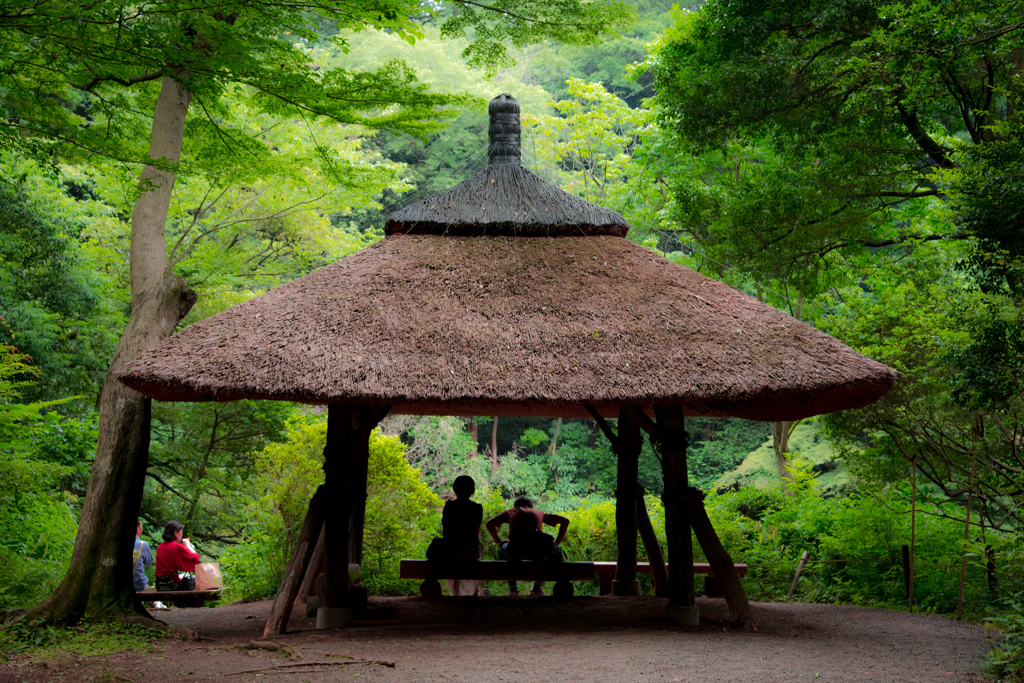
column 523, row 502
column 173, row 530
column 464, row 486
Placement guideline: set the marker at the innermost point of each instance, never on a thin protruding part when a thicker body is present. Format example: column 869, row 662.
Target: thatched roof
column 471, row 306
column 512, row 326
column 505, row 198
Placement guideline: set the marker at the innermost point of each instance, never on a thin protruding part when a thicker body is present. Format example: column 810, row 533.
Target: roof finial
column 503, row 131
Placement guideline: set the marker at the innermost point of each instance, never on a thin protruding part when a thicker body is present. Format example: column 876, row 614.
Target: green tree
column 399, row 508
column 910, row 316
column 83, row 74
column 872, row 107
column 51, row 299
column 37, row 518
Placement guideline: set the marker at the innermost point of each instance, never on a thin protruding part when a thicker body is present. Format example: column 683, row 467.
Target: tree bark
column 781, row 432
column 494, row 446
column 98, row 581
column 471, row 428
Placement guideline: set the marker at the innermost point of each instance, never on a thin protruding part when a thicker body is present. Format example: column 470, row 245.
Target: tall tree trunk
column 554, row 447
column 99, row 580
column 494, row 446
column 471, row 428
column 781, row 432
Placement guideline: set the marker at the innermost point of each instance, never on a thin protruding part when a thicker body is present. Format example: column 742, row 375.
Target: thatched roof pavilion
column 507, row 296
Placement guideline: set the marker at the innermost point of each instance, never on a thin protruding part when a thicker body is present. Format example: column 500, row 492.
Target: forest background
column 860, row 166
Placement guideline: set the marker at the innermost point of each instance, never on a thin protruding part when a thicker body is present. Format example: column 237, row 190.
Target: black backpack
column 529, row 543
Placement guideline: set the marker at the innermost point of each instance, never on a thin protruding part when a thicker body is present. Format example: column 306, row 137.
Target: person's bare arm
column 492, row 529
column 563, row 526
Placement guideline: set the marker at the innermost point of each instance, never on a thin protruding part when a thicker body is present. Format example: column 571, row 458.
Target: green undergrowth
column 46, row 643
column 807, row 445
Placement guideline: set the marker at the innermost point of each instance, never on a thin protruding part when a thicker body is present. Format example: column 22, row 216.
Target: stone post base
column 333, row 617
column 684, row 615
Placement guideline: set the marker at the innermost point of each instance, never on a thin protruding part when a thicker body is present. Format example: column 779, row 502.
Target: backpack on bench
column 529, row 543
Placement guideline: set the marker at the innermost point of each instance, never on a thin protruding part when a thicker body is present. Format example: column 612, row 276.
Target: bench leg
column 563, row 589
column 711, row 587
column 605, row 583
column 430, row 588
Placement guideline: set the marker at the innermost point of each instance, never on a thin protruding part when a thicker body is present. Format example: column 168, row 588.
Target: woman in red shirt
column 173, row 557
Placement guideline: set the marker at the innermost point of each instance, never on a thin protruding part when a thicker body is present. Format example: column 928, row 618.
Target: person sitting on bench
column 460, row 533
column 173, row 556
column 526, row 538
column 142, row 557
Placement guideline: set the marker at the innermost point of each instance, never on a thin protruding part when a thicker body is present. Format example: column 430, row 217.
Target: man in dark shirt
column 526, row 538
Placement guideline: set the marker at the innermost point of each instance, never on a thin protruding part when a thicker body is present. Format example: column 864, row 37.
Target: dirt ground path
column 597, row 640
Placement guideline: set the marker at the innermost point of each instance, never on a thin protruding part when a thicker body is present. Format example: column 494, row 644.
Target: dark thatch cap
column 512, row 326
column 505, row 198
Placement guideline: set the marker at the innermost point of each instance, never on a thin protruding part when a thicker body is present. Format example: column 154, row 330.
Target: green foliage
column 51, row 304
column 38, row 520
column 201, row 455
column 910, row 315
column 1006, row 662
column 600, row 149
column 809, row 446
column 46, row 643
column 551, row 65
column 718, row 445
column 401, row 512
column 854, row 544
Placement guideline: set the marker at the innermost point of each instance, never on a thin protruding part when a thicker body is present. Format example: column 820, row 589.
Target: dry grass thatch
column 512, row 326
column 505, row 198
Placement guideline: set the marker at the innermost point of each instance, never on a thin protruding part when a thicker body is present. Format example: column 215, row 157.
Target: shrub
column 400, row 511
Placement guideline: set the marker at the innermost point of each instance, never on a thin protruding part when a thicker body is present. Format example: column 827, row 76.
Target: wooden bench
column 191, row 598
column 606, row 572
column 562, row 573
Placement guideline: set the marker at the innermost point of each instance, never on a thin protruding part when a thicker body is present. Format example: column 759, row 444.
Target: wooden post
column 357, row 516
column 342, row 426
column 277, row 621
column 628, row 453
column 799, row 570
column 316, row 565
column 659, row 573
column 673, row 440
column 721, row 563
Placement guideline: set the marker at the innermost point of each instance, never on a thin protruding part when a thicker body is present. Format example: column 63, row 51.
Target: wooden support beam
column 603, row 424
column 659, row 573
column 316, row 566
column 721, row 563
column 637, row 414
column 277, row 621
column 628, row 452
column 672, row 443
column 369, row 417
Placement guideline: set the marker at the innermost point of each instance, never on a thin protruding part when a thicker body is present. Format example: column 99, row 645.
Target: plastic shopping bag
column 208, row 576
